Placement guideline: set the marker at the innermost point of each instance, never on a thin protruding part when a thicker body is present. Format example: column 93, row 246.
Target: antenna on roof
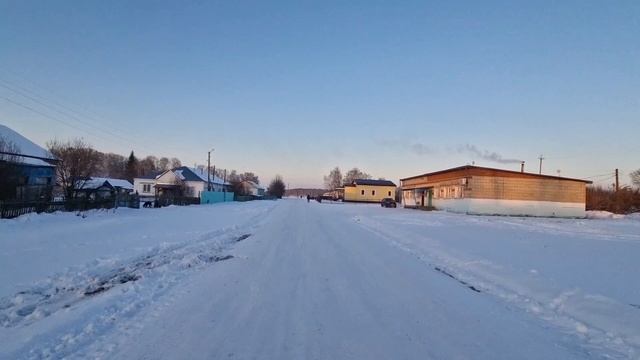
column 541, row 158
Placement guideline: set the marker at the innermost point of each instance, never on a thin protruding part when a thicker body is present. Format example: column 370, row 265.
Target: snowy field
column 291, row 279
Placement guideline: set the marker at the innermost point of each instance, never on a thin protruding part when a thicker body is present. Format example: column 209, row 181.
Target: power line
column 48, row 90
column 64, row 113
column 85, row 113
column 51, row 117
column 611, row 174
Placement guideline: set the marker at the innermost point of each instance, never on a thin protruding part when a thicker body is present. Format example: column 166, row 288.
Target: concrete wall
column 354, row 193
column 511, row 207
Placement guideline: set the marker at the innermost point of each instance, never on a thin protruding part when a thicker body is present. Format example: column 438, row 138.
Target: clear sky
column 396, row 88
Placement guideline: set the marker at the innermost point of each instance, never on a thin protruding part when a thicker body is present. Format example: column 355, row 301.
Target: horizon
column 293, row 89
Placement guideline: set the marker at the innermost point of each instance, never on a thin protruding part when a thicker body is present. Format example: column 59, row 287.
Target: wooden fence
column 14, row 209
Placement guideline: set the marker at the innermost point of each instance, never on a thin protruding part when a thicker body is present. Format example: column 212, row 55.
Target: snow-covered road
column 351, row 281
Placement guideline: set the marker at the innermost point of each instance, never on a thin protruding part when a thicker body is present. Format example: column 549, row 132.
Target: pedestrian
column 308, row 198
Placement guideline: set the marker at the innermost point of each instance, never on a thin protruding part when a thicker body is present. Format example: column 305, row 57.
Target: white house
column 251, row 188
column 145, row 185
column 181, row 181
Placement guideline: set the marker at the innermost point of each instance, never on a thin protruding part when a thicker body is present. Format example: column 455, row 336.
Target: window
column 146, row 188
column 389, row 193
column 373, row 192
column 362, row 192
column 42, row 181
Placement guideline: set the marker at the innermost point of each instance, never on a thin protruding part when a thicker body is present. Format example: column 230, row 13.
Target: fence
column 13, row 209
column 243, row 198
column 212, row 197
column 177, row 200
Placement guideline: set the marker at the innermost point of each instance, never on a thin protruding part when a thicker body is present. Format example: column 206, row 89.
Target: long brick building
column 480, row 190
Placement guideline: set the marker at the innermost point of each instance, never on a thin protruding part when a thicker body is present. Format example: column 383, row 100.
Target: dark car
column 388, row 202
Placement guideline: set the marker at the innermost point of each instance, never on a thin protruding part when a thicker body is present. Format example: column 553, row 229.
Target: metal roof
column 470, row 167
column 372, row 182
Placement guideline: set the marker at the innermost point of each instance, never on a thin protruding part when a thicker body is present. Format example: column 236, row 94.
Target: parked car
column 388, row 202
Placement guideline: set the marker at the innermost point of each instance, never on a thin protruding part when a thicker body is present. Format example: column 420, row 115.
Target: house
column 367, row 190
column 100, row 188
column 179, row 182
column 480, row 190
column 28, row 170
column 145, row 185
column 251, row 188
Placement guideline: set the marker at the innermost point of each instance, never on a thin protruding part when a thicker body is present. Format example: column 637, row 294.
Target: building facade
column 28, row 171
column 181, row 181
column 366, row 190
column 488, row 191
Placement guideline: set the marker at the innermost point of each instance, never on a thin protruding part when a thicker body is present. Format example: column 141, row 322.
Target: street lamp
column 209, row 169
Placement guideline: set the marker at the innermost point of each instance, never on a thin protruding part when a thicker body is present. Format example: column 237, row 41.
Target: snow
column 96, row 182
column 203, row 175
column 597, row 214
column 291, row 279
column 26, row 147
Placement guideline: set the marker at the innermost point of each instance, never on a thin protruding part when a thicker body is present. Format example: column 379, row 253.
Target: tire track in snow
column 573, row 312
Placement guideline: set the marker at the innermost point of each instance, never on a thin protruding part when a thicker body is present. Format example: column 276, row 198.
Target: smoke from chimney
column 486, row 155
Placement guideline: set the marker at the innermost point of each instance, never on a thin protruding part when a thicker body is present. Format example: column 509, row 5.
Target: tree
column 354, row 174
column 635, row 178
column 78, row 162
column 9, row 169
column 277, row 187
column 111, row 165
column 131, row 169
column 334, row 179
column 147, row 165
column 175, row 163
column 249, row 176
column 163, row 164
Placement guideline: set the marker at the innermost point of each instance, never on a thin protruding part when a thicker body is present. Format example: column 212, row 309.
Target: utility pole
column 617, row 182
column 209, row 169
column 540, row 158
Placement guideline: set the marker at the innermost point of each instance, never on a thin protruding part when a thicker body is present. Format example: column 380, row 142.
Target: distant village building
column 479, row 190
column 181, row 181
column 100, row 188
column 367, row 190
column 28, row 170
column 251, row 188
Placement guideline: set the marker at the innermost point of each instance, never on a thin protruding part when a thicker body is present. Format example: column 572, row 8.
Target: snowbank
column 597, row 214
column 35, row 246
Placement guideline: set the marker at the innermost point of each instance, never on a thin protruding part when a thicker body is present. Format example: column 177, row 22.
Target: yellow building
column 365, row 190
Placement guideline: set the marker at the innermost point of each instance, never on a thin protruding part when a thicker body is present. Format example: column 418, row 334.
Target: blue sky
column 295, row 88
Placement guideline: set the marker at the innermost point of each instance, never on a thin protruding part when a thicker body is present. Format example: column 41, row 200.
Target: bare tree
column 78, row 161
column 9, row 169
column 249, row 176
column 354, row 174
column 112, row 165
column 334, row 179
column 635, row 178
column 7, row 149
column 175, row 162
column 277, row 187
column 147, row 165
column 163, row 164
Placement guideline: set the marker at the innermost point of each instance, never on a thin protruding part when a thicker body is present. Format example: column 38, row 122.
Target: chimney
column 522, row 167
